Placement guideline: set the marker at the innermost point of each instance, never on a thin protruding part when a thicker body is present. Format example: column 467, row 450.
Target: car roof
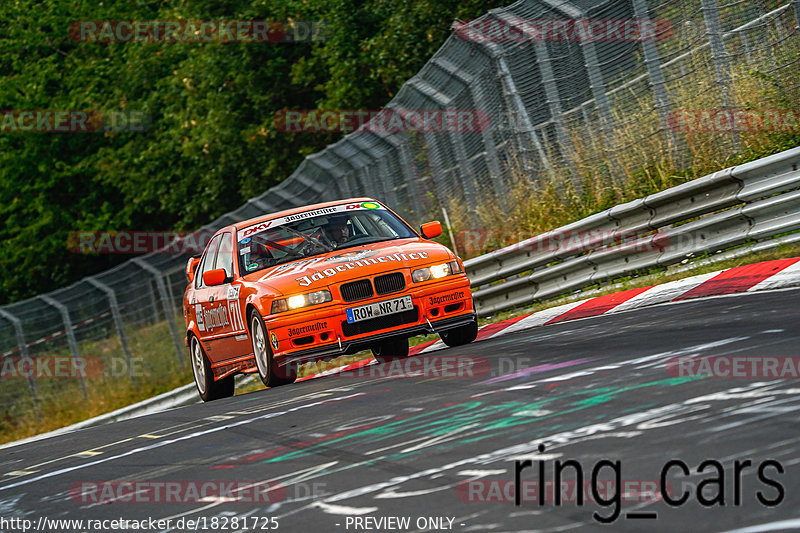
column 249, row 222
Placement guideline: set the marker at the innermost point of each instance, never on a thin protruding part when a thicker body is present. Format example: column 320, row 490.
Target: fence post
column 112, row 302
column 596, row 84
column 340, row 179
column 467, row 176
column 372, row 187
column 387, row 185
column 162, row 290
column 598, row 89
column 368, row 185
column 523, row 121
column 721, row 65
column 23, row 350
column 465, row 172
column 436, row 166
column 407, row 167
column 380, row 181
column 410, row 170
column 653, row 63
column 287, row 197
column 603, row 107
column 796, row 9
column 259, row 204
column 501, row 189
column 378, row 187
column 356, row 183
column 73, row 344
column 554, row 103
column 478, row 97
column 170, row 295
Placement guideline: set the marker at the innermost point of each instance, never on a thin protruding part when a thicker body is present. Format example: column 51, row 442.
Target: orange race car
column 274, row 292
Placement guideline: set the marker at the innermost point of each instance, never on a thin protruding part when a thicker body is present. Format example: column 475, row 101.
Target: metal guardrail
column 750, row 203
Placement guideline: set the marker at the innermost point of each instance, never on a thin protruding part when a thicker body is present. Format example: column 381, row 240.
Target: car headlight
column 301, row 300
column 297, row 301
column 440, row 271
column 436, row 271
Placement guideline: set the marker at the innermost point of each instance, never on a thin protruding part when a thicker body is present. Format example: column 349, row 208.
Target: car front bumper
column 353, row 346
column 317, row 333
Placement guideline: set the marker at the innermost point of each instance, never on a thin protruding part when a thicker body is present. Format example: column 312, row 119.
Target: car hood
column 347, row 264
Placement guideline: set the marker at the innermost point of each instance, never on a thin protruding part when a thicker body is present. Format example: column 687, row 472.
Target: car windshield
column 314, row 232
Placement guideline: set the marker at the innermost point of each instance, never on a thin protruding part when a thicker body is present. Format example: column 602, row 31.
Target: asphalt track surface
column 377, row 444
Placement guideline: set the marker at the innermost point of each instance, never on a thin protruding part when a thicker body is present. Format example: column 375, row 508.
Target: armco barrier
column 751, row 203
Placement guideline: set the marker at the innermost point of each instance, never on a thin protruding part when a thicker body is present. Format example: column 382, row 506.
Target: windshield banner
column 258, row 228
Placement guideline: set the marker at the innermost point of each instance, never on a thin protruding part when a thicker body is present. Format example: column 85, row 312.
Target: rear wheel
column 267, row 369
column 388, row 350
column 204, row 377
column 460, row 335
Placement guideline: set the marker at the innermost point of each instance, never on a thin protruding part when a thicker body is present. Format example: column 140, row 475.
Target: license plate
column 388, row 307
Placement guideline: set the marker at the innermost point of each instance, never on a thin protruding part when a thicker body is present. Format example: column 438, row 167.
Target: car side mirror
column 214, row 277
column 191, row 267
column 430, row 230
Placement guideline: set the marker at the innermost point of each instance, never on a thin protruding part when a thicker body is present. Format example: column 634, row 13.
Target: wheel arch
column 248, row 312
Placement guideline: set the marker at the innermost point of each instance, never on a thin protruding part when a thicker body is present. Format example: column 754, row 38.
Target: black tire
column 267, row 369
column 388, row 350
column 461, row 335
column 208, row 389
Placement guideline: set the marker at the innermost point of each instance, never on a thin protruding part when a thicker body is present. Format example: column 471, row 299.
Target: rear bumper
column 356, row 345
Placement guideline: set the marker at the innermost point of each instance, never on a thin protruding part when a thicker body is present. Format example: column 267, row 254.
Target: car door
column 230, row 339
column 208, row 317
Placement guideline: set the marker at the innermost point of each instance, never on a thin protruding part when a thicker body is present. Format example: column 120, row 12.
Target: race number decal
column 198, row 311
column 237, row 322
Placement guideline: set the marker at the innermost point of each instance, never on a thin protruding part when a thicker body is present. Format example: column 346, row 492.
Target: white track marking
column 438, row 345
column 172, row 441
column 782, row 525
column 663, row 293
column 788, row 277
column 342, row 509
column 539, row 318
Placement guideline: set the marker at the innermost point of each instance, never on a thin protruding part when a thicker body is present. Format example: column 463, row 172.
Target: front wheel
column 267, row 369
column 391, row 349
column 208, row 389
column 461, row 335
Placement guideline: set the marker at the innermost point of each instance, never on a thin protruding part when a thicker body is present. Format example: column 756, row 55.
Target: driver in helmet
column 336, row 231
column 258, row 257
